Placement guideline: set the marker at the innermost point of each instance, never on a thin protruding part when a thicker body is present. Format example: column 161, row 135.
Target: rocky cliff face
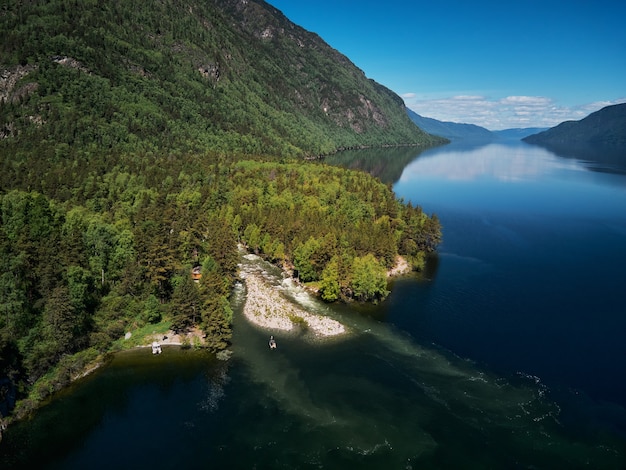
column 13, row 91
column 309, row 62
column 10, row 92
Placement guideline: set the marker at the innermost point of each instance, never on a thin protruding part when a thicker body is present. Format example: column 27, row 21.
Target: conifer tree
column 185, row 306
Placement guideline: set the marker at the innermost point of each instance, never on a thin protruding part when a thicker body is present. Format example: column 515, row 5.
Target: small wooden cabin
column 196, row 273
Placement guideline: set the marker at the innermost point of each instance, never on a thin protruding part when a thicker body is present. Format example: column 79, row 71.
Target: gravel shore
column 267, row 308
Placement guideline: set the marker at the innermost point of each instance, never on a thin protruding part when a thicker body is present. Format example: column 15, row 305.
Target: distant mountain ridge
column 606, row 127
column 449, row 130
column 459, row 131
column 518, row 133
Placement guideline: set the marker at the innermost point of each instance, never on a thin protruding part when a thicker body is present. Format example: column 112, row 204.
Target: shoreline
column 401, row 268
column 266, row 308
column 195, row 337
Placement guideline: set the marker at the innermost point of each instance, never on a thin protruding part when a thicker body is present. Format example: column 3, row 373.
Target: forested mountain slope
column 142, row 140
column 606, row 127
column 182, row 76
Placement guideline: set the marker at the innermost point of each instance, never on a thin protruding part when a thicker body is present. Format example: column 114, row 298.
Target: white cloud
column 501, row 113
column 525, row 100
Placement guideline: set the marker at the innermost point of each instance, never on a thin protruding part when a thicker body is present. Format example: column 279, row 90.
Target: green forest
column 77, row 274
column 141, row 141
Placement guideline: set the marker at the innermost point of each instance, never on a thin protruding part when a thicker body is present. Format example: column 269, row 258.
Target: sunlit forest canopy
column 141, row 142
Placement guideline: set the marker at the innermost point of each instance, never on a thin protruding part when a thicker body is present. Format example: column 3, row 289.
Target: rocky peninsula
column 267, row 308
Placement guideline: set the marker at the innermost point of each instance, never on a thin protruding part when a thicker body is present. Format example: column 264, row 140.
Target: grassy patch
column 139, row 336
column 298, row 321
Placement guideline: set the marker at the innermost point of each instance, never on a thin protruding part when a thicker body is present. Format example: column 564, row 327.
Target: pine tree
column 185, row 305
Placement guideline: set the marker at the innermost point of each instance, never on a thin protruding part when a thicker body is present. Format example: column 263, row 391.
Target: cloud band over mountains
column 501, row 113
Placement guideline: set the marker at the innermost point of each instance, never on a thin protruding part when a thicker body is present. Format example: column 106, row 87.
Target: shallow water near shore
column 506, row 353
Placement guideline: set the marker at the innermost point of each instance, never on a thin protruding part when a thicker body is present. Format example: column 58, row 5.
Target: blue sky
column 497, row 64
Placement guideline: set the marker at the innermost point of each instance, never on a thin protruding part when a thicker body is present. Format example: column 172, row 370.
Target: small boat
column 272, row 342
column 156, row 348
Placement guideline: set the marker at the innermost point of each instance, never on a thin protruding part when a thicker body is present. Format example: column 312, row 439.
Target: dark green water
column 507, row 353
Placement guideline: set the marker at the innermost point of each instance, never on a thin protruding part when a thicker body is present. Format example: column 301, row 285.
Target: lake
column 508, row 352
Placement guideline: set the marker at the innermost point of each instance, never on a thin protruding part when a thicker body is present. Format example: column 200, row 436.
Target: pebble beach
column 265, row 307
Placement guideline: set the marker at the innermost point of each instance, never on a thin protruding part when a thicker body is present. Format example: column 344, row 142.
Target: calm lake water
column 508, row 352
